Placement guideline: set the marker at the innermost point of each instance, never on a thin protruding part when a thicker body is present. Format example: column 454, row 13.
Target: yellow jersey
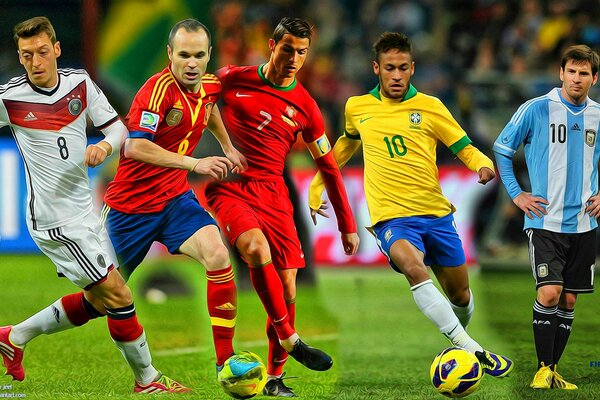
column 399, row 141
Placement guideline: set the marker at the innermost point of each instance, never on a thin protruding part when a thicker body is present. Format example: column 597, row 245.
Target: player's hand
column 95, row 155
column 320, row 211
column 239, row 161
column 485, row 175
column 593, row 206
column 215, row 167
column 350, row 241
column 531, row 204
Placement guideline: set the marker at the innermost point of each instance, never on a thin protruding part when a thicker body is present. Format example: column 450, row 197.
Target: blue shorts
column 133, row 234
column 436, row 237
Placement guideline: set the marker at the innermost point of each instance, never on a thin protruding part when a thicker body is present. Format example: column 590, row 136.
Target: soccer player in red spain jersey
column 264, row 110
column 150, row 198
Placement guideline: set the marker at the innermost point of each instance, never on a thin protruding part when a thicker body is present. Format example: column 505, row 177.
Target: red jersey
column 173, row 118
column 263, row 121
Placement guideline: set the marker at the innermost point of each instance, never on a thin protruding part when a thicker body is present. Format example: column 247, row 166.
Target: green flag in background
column 133, row 37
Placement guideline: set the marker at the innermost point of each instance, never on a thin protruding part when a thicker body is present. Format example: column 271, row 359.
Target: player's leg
column 254, row 248
column 277, row 354
column 455, row 284
column 409, row 261
column 578, row 277
column 69, row 311
column 403, row 241
column 206, row 247
column 65, row 313
column 129, row 336
column 547, row 252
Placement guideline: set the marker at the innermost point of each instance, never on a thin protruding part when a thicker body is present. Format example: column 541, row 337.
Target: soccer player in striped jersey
column 46, row 110
column 558, row 132
column 399, row 129
column 265, row 109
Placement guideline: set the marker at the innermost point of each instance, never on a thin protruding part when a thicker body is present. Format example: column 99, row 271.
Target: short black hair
column 190, row 25
column 295, row 27
column 392, row 40
column 581, row 53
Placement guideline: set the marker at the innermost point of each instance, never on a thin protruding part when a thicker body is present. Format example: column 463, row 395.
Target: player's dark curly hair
column 581, row 53
column 391, row 40
column 190, row 25
column 295, row 27
column 32, row 27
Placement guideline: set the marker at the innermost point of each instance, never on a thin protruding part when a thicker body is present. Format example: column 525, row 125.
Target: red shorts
column 241, row 206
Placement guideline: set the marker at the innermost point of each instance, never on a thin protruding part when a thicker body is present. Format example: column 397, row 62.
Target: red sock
column 277, row 354
column 221, row 297
column 123, row 324
column 269, row 288
column 78, row 309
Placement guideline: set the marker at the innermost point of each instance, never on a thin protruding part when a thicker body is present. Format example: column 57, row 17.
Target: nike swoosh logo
column 238, row 94
column 364, row 119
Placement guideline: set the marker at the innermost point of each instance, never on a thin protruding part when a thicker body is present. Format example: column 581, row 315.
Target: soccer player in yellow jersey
column 399, row 129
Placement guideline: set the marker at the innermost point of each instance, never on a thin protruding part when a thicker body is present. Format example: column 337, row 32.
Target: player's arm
column 140, row 148
column 320, row 149
column 505, row 147
column 343, row 150
column 114, row 134
column 217, row 128
column 478, row 162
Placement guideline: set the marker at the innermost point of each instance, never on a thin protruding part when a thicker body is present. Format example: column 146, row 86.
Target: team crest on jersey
column 75, row 106
column 542, row 270
column 415, row 118
column 174, row 117
column 149, row 120
column 291, row 111
column 590, row 137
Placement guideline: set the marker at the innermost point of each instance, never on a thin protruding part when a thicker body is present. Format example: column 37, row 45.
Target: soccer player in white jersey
column 46, row 110
column 558, row 131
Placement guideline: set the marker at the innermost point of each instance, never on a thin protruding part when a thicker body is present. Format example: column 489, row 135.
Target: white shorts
column 81, row 250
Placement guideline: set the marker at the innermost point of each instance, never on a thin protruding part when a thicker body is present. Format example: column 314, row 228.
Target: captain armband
column 319, row 147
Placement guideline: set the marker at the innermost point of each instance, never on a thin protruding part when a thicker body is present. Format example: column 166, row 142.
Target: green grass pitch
column 366, row 318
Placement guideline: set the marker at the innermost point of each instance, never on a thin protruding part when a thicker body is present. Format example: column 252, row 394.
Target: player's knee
column 217, row 259
column 548, row 296
column 255, row 251
column 119, row 296
column 459, row 296
column 415, row 272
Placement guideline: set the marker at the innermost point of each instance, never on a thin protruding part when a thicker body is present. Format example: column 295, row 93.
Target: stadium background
column 482, row 58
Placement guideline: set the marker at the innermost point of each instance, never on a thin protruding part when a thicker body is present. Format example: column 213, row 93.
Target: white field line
column 241, row 345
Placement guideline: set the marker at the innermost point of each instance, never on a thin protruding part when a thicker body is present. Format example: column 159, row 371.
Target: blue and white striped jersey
column 561, row 152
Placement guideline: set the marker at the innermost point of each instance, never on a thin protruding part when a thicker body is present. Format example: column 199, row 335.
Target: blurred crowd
column 507, row 50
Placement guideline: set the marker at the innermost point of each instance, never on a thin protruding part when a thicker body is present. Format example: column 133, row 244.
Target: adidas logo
column 30, row 117
column 576, row 127
column 8, row 351
column 226, row 307
column 56, row 313
column 178, row 104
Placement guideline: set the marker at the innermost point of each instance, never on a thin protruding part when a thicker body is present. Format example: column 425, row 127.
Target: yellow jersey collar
column 412, row 92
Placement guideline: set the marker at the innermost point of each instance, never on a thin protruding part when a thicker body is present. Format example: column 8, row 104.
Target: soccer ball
column 456, row 372
column 243, row 375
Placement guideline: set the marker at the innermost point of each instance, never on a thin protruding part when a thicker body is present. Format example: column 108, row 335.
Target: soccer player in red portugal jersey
column 264, row 109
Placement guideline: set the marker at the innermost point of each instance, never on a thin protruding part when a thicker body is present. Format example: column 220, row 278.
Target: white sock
column 464, row 313
column 437, row 308
column 288, row 344
column 137, row 354
column 49, row 320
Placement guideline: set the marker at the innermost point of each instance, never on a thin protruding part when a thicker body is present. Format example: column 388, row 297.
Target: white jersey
column 50, row 130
